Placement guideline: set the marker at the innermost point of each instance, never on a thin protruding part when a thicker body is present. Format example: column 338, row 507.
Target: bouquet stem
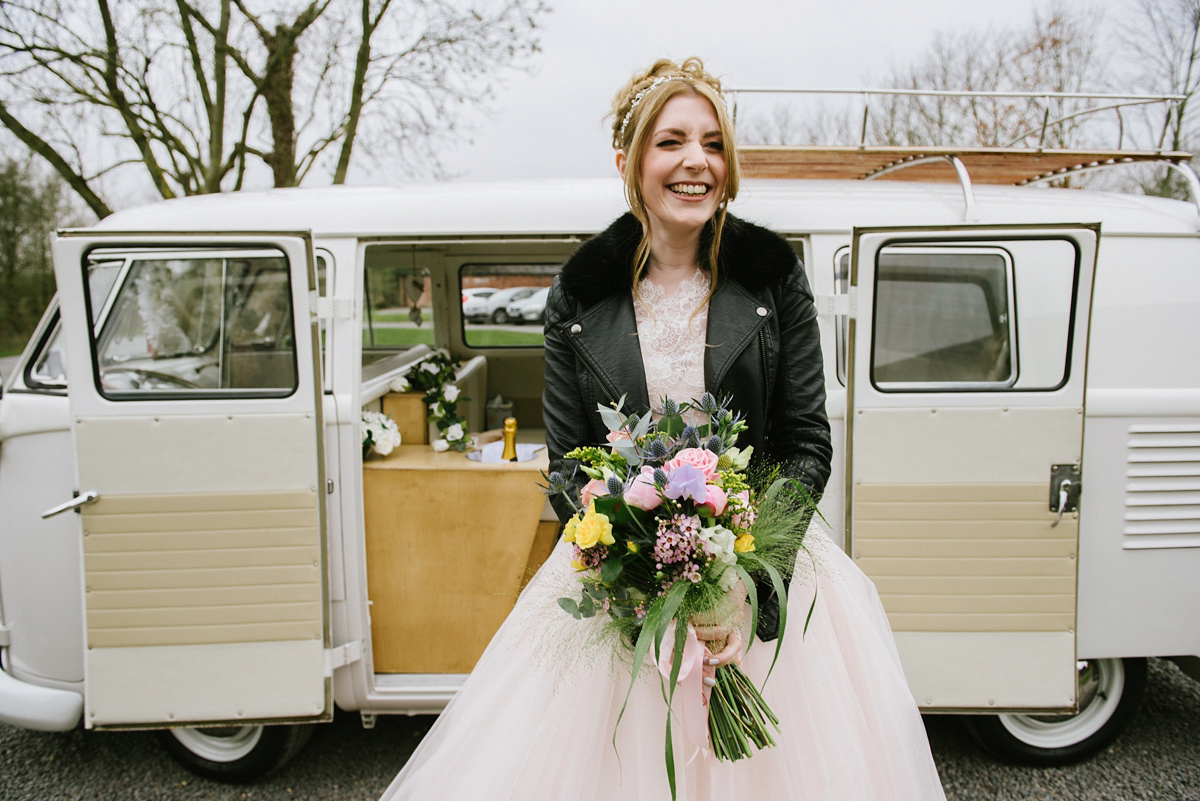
column 738, row 716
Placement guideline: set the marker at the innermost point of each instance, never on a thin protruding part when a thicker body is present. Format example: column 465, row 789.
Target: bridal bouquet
column 671, row 530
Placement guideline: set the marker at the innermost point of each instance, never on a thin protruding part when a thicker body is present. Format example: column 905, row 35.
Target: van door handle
column 83, row 499
column 1064, row 492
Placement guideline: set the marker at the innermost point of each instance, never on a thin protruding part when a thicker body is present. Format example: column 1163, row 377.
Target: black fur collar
column 752, row 255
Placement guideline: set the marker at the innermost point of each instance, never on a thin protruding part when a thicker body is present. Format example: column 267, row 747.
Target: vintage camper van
column 193, row 541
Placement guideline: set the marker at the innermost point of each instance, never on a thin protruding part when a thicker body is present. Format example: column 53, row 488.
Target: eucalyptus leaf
column 570, row 607
column 611, row 569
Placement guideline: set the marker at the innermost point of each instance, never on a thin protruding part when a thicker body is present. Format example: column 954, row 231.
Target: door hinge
column 843, row 304
column 332, row 308
column 342, row 655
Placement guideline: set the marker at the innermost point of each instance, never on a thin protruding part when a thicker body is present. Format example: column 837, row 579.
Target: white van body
column 942, row 488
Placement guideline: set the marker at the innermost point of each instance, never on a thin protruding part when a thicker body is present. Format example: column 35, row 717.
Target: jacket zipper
column 762, row 350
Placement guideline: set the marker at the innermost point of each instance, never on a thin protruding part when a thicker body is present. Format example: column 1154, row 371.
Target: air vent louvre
column 1162, row 494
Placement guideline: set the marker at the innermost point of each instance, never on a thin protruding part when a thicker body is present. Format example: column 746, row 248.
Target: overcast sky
column 549, row 123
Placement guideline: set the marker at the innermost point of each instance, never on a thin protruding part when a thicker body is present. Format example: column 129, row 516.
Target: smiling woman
column 680, row 300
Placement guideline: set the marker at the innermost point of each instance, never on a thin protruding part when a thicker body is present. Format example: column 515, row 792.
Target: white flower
column 440, row 445
column 429, row 367
column 450, row 392
column 740, row 458
column 718, row 542
column 400, row 385
column 728, row 579
column 436, row 411
column 454, row 433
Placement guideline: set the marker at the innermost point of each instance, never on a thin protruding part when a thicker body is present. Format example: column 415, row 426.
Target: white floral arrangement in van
column 434, row 376
column 379, row 433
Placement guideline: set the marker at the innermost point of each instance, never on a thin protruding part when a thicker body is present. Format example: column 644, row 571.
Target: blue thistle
column 660, row 477
column 616, row 487
column 658, row 449
column 670, row 407
column 708, row 403
column 714, row 444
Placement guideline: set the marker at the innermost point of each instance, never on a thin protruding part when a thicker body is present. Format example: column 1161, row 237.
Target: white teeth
column 689, row 189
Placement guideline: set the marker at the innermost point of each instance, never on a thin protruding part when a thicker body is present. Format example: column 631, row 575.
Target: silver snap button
column 762, row 311
column 575, row 329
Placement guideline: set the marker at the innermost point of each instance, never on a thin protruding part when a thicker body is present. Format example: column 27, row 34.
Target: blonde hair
column 635, row 108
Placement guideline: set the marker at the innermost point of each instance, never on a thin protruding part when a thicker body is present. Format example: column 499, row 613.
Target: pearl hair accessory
column 657, row 82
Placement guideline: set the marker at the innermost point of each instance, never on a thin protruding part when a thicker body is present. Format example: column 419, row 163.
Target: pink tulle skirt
column 535, row 720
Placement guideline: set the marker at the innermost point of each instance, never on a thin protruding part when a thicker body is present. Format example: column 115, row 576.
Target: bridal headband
column 657, row 82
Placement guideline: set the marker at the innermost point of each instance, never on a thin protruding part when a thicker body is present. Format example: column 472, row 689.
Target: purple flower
column 687, row 481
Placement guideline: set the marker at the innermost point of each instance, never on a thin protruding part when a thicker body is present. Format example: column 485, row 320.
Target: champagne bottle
column 510, row 440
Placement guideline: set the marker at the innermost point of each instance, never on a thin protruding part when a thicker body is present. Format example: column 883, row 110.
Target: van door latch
column 1065, row 486
column 79, row 500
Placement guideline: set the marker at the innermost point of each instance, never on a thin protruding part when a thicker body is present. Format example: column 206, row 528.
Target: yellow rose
column 632, row 546
column 744, row 543
column 569, row 529
column 593, row 528
column 578, row 566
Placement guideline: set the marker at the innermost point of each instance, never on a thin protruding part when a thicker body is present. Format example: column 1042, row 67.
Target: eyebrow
column 681, row 132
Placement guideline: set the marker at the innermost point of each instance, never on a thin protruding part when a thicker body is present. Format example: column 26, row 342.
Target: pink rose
column 642, row 493
column 702, row 458
column 592, row 490
column 619, row 434
column 714, row 501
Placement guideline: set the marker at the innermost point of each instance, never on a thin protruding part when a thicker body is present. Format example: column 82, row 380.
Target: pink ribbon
column 693, row 705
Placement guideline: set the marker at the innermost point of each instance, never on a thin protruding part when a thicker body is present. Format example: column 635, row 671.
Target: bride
column 675, row 298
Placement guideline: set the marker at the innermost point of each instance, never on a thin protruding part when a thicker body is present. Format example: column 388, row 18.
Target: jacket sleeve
column 562, row 400
column 798, row 425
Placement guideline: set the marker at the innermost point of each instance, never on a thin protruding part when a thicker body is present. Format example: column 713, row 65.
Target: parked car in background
column 529, row 310
column 474, row 300
column 495, row 308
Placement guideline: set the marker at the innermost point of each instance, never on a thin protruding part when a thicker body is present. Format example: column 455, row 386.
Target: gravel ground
column 1158, row 757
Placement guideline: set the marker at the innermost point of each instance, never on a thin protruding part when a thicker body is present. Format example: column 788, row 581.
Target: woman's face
column 683, row 166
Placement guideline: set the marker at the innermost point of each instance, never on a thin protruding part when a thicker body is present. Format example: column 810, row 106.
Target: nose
column 694, row 157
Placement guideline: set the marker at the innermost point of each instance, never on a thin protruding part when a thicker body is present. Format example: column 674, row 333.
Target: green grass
column 478, row 338
column 492, row 338
column 400, row 336
column 397, row 317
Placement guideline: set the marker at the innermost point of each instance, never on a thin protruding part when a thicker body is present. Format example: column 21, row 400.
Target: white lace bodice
column 672, row 338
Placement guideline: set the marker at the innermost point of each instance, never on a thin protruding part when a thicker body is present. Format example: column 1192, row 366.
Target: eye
column 715, row 146
column 667, row 143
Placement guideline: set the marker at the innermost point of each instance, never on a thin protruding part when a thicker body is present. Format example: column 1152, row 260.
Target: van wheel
column 1110, row 691
column 234, row 754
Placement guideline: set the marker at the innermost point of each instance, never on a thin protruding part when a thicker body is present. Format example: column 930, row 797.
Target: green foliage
column 31, row 208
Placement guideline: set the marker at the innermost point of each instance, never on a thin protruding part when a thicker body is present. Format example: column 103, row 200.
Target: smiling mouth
column 689, row 190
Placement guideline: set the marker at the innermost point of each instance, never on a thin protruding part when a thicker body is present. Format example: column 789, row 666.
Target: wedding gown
column 535, row 720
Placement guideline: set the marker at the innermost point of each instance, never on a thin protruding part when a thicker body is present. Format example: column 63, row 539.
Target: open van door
column 196, row 415
column 964, row 426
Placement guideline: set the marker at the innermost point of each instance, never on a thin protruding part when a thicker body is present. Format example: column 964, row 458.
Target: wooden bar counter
column 449, row 544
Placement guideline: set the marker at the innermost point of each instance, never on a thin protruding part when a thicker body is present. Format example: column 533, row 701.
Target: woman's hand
column 719, row 630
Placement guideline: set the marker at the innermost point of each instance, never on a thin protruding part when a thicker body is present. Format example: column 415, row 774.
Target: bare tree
column 1166, row 47
column 198, row 93
column 1057, row 52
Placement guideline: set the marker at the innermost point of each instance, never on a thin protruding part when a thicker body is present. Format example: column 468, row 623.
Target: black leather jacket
column 764, row 349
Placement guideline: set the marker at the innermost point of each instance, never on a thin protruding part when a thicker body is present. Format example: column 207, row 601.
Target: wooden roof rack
column 1008, row 165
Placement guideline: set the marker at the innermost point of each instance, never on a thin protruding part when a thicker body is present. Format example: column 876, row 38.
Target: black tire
column 500, row 317
column 1110, row 692
column 234, row 754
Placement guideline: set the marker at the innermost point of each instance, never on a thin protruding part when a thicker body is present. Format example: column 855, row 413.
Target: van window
column 397, row 300
column 189, row 323
column 943, row 319
column 504, row 305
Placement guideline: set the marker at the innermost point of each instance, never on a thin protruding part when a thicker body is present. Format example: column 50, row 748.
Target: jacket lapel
column 605, row 337
column 741, row 316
